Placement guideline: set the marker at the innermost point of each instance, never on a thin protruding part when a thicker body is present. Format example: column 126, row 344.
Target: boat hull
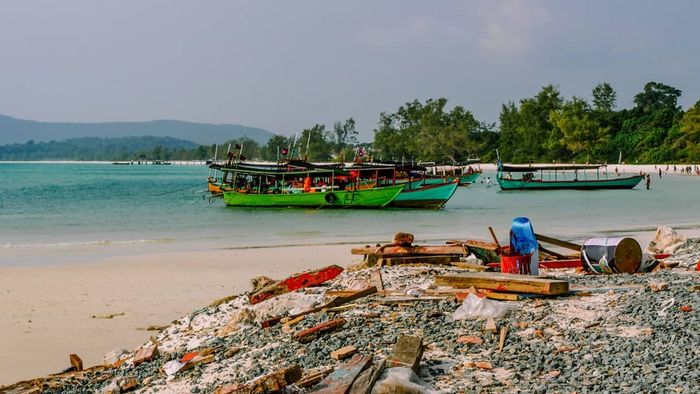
column 433, row 196
column 603, row 184
column 364, row 198
column 467, row 179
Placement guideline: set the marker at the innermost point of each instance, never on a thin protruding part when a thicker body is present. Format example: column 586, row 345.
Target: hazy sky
column 285, row 65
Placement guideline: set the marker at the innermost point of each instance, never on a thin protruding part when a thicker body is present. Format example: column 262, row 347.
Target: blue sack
column 522, row 237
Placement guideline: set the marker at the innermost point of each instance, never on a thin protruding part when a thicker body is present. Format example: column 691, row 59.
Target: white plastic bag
column 400, row 380
column 475, row 307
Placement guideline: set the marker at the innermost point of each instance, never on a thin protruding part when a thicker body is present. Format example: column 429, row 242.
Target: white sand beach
column 47, row 310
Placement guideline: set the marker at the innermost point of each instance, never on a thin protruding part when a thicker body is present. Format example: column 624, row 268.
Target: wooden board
column 364, row 383
column 410, row 250
column 340, row 380
column 554, row 264
column 314, row 332
column 296, row 282
column 376, row 280
column 273, row 382
column 407, row 352
column 504, row 283
column 558, row 242
column 440, row 260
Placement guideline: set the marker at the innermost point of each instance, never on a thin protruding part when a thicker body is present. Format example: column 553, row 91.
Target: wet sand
column 47, row 309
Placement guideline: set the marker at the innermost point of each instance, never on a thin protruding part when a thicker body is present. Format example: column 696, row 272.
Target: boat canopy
column 547, row 167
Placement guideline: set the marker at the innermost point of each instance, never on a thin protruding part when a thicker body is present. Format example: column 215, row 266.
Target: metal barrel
column 611, row 255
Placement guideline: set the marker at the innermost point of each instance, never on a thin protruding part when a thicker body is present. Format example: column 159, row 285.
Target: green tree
column 315, row 144
column 580, row 131
column 346, row 136
column 604, row 97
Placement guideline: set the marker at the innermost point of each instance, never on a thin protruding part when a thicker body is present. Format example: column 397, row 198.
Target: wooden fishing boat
column 429, row 196
column 310, row 187
column 561, row 176
column 465, row 172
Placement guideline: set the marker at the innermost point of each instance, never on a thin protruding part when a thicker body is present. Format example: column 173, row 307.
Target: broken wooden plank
column 555, row 264
column 295, row 282
column 146, row 354
column 364, row 383
column 340, row 380
column 273, row 382
column 337, row 301
column 402, row 300
column 314, row 332
column 549, row 252
column 407, row 352
column 437, row 260
column 75, row 362
column 375, row 279
column 490, row 326
column 558, row 242
column 502, row 339
column 469, row 266
column 311, row 378
column 504, row 283
column 344, row 352
column 395, row 250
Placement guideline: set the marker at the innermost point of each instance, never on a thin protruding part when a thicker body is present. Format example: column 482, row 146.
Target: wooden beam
column 558, row 242
column 314, row 332
column 552, row 253
column 439, row 260
column 410, row 250
column 504, row 283
column 376, row 280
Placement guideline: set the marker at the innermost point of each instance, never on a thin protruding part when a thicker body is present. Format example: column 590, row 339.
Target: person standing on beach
column 659, row 172
column 648, row 181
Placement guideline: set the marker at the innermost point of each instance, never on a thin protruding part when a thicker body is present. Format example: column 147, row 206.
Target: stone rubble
column 616, row 333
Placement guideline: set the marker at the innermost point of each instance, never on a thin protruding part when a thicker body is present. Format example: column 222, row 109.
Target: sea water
column 48, row 208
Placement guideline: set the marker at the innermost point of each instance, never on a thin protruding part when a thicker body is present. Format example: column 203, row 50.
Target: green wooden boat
column 430, row 196
column 364, row 198
column 466, row 179
column 299, row 185
column 559, row 176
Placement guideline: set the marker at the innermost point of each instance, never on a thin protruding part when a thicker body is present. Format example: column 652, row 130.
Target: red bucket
column 516, row 264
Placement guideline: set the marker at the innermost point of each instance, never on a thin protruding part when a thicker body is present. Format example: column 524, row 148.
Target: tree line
column 546, row 127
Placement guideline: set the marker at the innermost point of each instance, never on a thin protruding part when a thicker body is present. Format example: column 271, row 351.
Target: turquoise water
column 127, row 209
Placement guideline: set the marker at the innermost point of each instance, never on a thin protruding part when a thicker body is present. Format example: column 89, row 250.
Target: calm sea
column 48, row 209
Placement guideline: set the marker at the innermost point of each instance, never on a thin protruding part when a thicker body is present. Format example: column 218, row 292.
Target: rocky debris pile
column 388, row 329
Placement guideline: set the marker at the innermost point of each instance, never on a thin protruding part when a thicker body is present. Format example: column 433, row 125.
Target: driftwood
column 337, row 301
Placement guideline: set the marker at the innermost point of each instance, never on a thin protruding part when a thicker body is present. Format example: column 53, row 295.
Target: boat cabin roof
column 548, row 167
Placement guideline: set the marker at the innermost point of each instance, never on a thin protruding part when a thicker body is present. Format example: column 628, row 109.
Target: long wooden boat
column 558, row 177
column 300, row 187
column 429, row 196
column 364, row 198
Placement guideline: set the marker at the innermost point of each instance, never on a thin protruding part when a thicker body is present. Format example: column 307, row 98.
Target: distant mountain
column 14, row 130
column 92, row 148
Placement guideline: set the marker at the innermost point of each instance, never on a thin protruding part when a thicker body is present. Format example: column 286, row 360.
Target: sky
column 286, row 65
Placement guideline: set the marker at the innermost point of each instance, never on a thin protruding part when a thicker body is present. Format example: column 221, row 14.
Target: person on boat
column 307, row 184
column 648, row 181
